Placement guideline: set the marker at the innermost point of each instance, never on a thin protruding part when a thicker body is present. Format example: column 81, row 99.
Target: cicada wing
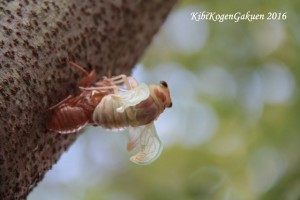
column 150, row 144
column 132, row 97
column 133, row 138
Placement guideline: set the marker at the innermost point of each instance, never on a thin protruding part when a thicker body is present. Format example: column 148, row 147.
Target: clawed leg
column 120, row 80
column 129, row 82
column 88, row 77
column 114, row 88
column 61, row 102
column 114, row 83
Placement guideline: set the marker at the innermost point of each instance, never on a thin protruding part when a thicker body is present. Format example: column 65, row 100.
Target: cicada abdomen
column 74, row 113
column 67, row 119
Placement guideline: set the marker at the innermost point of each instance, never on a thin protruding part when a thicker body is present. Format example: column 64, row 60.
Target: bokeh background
column 233, row 130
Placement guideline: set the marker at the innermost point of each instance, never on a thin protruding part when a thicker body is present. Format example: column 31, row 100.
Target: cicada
column 115, row 103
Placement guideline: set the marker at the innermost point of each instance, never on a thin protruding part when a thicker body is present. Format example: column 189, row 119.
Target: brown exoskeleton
column 115, row 103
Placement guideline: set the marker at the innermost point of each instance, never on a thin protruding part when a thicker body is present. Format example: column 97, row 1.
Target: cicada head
column 161, row 95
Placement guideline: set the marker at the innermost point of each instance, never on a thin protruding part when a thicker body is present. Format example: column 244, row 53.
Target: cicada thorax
column 107, row 116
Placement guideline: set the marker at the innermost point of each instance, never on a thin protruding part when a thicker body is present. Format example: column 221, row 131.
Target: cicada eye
column 164, row 83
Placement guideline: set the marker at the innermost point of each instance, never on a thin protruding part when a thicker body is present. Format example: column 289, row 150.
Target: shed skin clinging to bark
column 36, row 37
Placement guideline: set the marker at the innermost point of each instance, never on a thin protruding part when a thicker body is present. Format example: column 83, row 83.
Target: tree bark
column 36, row 37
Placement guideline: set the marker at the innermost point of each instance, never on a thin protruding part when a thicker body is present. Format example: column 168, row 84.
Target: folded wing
column 132, row 97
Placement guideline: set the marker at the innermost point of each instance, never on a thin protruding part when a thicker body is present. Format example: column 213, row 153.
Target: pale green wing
column 132, row 97
column 150, row 144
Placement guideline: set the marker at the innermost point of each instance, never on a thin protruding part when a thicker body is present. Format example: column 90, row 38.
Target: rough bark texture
column 36, row 37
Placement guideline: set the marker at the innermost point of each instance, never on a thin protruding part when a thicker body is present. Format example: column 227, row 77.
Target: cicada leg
column 129, row 81
column 88, row 77
column 117, row 80
column 114, row 88
column 114, row 83
column 61, row 102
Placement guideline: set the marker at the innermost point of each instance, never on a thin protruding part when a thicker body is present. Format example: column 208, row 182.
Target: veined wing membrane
column 132, row 97
column 150, row 144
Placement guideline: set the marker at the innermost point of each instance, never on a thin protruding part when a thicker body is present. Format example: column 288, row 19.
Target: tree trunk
column 36, row 37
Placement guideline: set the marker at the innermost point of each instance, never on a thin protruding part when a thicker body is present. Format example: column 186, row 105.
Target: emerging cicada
column 115, row 103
